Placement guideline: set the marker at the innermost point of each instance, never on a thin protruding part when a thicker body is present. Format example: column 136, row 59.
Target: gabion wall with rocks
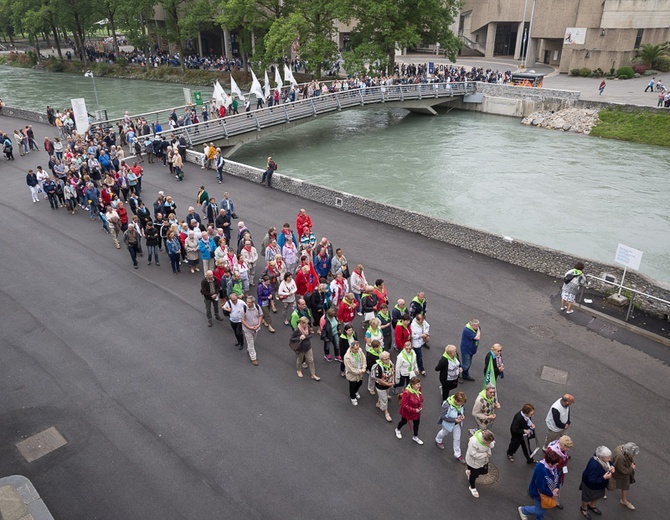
column 537, row 258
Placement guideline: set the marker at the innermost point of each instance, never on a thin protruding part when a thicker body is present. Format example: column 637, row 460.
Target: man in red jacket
column 303, row 219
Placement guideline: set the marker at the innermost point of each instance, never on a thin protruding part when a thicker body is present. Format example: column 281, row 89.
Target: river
column 575, row 193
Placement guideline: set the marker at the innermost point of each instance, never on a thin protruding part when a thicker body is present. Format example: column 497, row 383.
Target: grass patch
column 638, row 127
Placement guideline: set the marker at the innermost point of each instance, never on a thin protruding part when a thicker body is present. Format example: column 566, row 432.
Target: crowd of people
column 321, row 295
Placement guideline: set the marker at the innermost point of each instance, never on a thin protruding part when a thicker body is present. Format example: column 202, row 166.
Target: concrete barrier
column 22, row 113
column 537, row 258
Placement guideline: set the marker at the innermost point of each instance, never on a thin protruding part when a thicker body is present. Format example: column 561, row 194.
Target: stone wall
column 510, row 100
column 531, row 256
column 27, row 115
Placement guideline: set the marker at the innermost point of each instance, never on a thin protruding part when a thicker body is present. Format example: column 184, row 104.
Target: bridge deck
column 247, row 122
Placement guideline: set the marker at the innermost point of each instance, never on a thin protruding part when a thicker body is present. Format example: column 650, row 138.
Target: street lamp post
column 89, row 74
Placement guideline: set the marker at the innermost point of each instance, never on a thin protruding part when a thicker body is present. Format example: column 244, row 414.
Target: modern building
column 567, row 34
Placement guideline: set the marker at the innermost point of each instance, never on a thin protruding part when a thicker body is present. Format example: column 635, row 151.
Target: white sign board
column 574, row 36
column 80, row 115
column 629, row 257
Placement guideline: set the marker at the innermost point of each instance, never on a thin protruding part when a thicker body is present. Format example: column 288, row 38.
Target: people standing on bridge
column 469, row 342
column 270, row 168
column 573, row 280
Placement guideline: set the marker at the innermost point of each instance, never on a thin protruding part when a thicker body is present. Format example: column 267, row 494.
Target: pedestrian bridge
column 233, row 131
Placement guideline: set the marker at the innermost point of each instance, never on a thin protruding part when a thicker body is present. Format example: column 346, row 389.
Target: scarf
column 412, row 391
column 407, row 358
column 449, row 358
column 483, row 395
column 468, row 326
column 478, row 436
column 452, row 402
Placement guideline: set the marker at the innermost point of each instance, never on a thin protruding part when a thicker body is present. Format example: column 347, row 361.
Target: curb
column 20, row 500
column 622, row 324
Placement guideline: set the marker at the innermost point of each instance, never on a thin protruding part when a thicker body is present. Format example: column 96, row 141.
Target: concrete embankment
column 507, row 249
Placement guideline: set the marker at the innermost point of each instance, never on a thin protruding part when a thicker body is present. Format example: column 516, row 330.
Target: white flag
column 234, row 89
column 256, row 88
column 266, row 86
column 288, row 76
column 278, row 80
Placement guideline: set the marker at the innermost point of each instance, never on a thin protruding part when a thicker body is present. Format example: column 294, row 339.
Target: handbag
column 547, row 502
column 611, row 484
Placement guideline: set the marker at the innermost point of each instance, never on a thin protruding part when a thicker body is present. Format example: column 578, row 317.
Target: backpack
column 568, row 277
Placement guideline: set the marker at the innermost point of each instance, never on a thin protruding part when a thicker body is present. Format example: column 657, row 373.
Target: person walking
column 470, row 337
column 522, row 430
column 265, row 293
column 210, row 289
column 595, row 477
column 561, row 447
column 329, row 334
column 382, row 374
column 251, row 323
column 451, row 419
column 235, row 307
column 302, row 346
column 411, row 405
column 543, row 488
column 406, row 367
column 650, row 85
column 484, row 410
column 173, row 247
column 624, row 465
column 477, row 457
column 152, row 238
column 287, row 291
column 573, row 279
column 132, row 239
column 34, row 185
column 601, row 87
column 419, row 336
column 449, row 367
column 558, row 419
column 354, row 368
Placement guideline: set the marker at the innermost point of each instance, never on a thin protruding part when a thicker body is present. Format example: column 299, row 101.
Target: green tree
column 7, row 25
column 310, row 25
column 650, row 54
column 78, row 16
column 384, row 26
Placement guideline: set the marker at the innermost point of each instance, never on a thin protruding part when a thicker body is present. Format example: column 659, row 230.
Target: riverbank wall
column 533, row 257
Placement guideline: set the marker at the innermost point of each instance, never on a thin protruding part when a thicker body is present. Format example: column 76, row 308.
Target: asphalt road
column 166, row 419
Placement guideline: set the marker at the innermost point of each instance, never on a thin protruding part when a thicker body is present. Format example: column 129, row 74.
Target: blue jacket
column 207, row 253
column 592, row 475
column 544, row 481
column 468, row 342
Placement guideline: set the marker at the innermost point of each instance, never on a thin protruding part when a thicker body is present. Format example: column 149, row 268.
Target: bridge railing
column 232, row 125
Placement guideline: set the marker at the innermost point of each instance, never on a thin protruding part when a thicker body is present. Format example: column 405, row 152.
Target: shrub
column 639, row 68
column 585, row 72
column 625, row 73
column 122, row 62
column 598, row 73
column 574, row 72
column 663, row 64
column 54, row 65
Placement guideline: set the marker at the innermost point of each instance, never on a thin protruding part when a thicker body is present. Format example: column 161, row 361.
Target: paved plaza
column 163, row 418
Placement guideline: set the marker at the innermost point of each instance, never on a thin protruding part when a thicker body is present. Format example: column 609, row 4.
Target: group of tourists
column 320, row 294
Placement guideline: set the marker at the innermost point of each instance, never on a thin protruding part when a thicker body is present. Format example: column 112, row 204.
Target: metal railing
column 162, row 116
column 633, row 292
column 256, row 120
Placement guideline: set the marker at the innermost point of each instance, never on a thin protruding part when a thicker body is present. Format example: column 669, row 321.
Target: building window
column 638, row 38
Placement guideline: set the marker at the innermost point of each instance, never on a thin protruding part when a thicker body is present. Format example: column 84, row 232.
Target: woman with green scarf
column 449, row 367
column 477, row 457
column 451, row 419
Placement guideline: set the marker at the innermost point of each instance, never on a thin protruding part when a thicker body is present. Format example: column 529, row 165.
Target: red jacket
column 410, row 405
column 401, row 335
column 346, row 312
column 301, row 221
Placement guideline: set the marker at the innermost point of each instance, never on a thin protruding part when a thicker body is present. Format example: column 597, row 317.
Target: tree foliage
column 650, row 54
column 384, row 26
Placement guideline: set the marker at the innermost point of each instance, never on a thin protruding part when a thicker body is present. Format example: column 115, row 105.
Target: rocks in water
column 578, row 120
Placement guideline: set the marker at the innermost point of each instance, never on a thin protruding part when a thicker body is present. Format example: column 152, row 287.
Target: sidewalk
column 19, row 500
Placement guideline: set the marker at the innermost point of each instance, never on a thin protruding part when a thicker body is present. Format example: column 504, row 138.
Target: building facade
column 567, row 34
